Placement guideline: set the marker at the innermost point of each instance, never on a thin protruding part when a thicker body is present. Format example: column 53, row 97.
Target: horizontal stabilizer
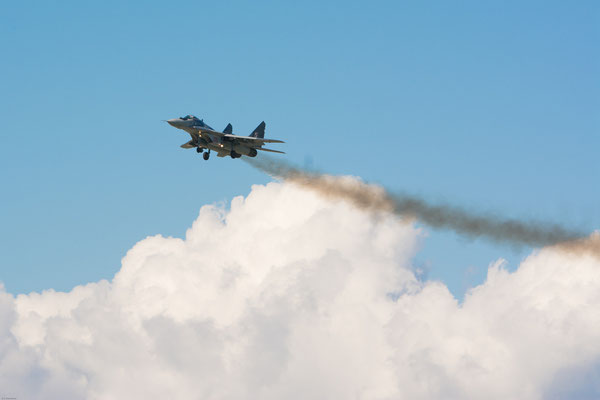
column 188, row 145
column 272, row 151
column 228, row 129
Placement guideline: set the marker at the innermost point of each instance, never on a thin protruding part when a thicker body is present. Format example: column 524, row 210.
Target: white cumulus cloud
column 288, row 295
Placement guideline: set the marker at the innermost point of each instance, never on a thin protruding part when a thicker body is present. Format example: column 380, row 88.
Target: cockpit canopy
column 188, row 117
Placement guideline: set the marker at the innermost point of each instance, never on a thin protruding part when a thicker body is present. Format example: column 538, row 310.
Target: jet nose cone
column 173, row 122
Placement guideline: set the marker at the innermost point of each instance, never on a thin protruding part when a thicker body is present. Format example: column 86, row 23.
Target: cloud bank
column 291, row 295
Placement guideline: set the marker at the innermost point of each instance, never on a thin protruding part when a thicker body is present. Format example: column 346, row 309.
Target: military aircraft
column 224, row 143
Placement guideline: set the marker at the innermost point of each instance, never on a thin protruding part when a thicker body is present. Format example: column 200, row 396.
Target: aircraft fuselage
column 224, row 143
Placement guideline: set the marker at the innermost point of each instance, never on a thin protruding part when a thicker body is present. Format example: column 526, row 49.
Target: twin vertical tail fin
column 259, row 132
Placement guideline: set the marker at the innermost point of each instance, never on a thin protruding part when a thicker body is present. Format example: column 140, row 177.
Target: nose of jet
column 173, row 122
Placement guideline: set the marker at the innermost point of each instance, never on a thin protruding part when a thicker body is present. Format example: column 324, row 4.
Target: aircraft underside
column 226, row 149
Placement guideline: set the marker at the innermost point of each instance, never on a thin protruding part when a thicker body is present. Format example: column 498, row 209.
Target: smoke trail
column 466, row 223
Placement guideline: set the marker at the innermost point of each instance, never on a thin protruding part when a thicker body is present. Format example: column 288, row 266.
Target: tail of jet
column 228, row 129
column 259, row 132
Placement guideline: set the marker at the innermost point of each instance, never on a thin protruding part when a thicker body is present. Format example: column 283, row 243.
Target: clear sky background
column 492, row 106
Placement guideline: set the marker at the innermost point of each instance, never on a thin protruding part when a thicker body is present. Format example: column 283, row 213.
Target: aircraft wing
column 188, row 145
column 251, row 139
column 246, row 139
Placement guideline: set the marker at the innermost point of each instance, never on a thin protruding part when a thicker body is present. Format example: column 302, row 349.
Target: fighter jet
column 224, row 143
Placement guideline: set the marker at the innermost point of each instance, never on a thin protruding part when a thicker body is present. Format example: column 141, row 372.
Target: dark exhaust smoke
column 441, row 216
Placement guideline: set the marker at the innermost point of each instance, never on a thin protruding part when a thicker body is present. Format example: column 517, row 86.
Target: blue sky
column 491, row 106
